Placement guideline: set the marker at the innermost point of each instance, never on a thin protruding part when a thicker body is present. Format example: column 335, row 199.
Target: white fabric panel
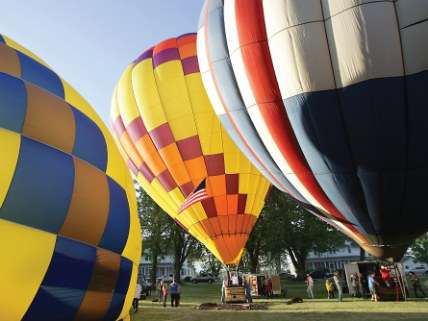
column 230, row 26
column 280, row 14
column 201, row 50
column 301, row 59
column 206, row 74
column 271, row 146
column 415, row 47
column 411, row 11
column 334, row 7
column 365, row 44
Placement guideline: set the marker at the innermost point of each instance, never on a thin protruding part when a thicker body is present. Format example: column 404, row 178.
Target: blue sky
column 90, row 42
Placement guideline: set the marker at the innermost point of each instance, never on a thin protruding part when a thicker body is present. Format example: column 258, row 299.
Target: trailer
column 397, row 290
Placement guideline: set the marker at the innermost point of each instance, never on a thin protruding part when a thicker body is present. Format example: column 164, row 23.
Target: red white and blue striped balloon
column 328, row 99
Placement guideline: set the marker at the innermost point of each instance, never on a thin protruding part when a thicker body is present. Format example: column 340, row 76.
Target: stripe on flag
column 198, row 194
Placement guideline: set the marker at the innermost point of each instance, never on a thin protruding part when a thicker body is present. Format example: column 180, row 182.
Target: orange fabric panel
column 88, row 212
column 187, row 39
column 223, row 249
column 224, row 224
column 216, row 185
column 172, row 158
column 97, row 299
column 130, row 149
column 151, row 156
column 232, row 224
column 208, row 227
column 216, row 225
column 196, row 168
column 187, row 50
column 9, row 61
column 221, row 204
column 232, row 203
column 49, row 120
column 167, row 44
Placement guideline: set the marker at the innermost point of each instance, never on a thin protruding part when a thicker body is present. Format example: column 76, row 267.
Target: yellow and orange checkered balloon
column 172, row 140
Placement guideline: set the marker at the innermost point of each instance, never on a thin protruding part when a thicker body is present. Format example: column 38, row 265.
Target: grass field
column 319, row 309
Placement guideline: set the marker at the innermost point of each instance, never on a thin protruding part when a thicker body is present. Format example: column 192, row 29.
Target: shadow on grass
column 195, row 315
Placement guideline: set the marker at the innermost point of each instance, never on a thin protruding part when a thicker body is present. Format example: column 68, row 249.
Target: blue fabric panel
column 89, row 143
column 117, row 227
column 374, row 113
column 315, row 118
column 34, row 72
column 122, row 286
column 417, row 175
column 41, row 189
column 13, row 103
column 1, row 39
column 65, row 282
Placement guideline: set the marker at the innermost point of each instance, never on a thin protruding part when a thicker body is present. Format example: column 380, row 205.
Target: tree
column 155, row 224
column 210, row 263
column 183, row 246
column 420, row 249
column 286, row 228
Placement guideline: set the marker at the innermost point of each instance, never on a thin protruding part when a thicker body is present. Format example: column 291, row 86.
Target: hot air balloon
column 327, row 99
column 71, row 241
column 177, row 149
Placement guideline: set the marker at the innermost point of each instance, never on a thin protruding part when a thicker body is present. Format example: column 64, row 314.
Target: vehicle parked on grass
column 204, row 278
column 418, row 270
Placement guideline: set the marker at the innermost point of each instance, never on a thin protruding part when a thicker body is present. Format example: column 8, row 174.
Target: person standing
column 159, row 288
column 416, row 283
column 338, row 285
column 309, row 286
column 247, row 288
column 360, row 284
column 372, row 283
column 329, row 286
column 385, row 275
column 354, row 285
column 137, row 297
column 164, row 293
column 224, row 285
column 174, row 290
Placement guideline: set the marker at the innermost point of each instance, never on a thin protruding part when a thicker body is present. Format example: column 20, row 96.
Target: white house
column 165, row 267
column 334, row 260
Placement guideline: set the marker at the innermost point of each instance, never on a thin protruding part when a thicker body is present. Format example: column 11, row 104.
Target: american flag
column 198, row 194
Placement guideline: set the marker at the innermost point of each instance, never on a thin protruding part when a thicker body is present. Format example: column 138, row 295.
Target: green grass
column 319, row 309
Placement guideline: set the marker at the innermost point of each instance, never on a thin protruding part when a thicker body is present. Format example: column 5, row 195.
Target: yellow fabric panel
column 172, row 90
column 199, row 98
column 209, row 131
column 125, row 98
column 132, row 248
column 179, row 131
column 9, row 147
column 26, row 254
column 146, row 95
column 20, row 48
column 131, row 292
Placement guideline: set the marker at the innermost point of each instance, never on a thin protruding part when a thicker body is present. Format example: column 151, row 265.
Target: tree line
column 284, row 229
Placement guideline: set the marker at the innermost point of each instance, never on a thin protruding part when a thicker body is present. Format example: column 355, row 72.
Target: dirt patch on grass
column 233, row 307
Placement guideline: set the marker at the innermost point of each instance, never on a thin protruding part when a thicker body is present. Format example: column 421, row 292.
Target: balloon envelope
column 71, row 241
column 173, row 141
column 327, row 99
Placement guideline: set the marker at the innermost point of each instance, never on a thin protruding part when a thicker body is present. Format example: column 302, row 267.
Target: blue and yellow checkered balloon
column 70, row 236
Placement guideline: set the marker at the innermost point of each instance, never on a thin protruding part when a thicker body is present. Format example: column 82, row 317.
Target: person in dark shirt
column 417, row 287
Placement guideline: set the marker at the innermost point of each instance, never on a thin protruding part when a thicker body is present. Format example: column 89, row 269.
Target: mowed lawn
column 319, row 309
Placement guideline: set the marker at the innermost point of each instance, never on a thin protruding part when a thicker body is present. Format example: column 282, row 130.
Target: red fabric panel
column 189, row 148
column 215, row 164
column 261, row 75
